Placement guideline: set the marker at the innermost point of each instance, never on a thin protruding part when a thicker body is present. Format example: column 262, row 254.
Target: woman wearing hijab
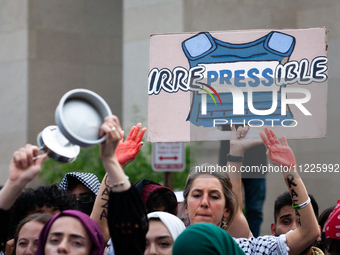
column 164, row 228
column 205, row 238
column 71, row 232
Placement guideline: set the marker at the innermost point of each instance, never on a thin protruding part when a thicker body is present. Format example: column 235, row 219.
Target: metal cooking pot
column 57, row 147
column 79, row 116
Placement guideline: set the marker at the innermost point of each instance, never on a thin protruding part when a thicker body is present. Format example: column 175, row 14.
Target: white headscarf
column 173, row 223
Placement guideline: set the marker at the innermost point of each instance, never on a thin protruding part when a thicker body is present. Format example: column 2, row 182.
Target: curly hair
column 54, row 197
column 23, row 206
column 31, row 200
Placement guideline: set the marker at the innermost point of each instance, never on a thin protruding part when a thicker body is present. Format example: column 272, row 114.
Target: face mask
column 85, row 208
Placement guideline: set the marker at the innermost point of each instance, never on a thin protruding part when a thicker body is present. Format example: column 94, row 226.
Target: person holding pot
column 22, row 170
column 17, row 202
column 125, row 152
column 126, row 215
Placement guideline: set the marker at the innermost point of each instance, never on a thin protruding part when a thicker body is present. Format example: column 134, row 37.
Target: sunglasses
column 85, row 198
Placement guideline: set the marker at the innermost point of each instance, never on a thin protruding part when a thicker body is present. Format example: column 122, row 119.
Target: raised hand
column 238, row 146
column 111, row 127
column 127, row 150
column 25, row 164
column 24, row 167
column 278, row 154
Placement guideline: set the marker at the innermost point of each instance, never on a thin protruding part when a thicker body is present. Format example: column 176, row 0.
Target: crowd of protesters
column 83, row 216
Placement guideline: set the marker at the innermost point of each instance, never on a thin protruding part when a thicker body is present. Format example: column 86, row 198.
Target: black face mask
column 85, row 208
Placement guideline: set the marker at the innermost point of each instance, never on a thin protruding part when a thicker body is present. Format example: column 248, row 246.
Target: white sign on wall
column 168, row 157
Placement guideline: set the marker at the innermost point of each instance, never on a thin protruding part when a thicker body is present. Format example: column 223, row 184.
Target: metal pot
column 57, row 147
column 79, row 116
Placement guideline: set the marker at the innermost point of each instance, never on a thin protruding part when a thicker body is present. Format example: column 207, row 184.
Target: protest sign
column 274, row 78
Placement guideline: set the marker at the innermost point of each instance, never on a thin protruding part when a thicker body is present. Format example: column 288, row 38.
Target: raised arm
column 126, row 215
column 126, row 151
column 114, row 170
column 239, row 226
column 283, row 156
column 100, row 208
column 24, row 167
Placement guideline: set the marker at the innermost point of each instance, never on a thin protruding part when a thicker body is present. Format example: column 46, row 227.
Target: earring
column 224, row 224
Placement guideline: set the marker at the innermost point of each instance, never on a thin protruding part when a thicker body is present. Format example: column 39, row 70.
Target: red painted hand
column 278, row 154
column 127, row 150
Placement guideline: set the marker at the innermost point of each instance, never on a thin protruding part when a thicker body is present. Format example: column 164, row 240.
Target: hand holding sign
column 127, row 150
column 278, row 154
column 239, row 145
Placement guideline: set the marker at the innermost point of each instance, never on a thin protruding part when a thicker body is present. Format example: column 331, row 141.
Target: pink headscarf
column 92, row 229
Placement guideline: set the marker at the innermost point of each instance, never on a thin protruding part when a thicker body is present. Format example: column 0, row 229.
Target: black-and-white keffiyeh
column 88, row 179
column 264, row 245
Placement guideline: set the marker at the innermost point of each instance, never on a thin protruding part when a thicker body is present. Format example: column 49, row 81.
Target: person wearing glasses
column 84, row 186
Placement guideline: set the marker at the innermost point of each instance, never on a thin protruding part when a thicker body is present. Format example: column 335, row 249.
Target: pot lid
column 53, row 139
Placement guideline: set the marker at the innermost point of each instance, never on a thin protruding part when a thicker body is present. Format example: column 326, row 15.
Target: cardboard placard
column 274, row 78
